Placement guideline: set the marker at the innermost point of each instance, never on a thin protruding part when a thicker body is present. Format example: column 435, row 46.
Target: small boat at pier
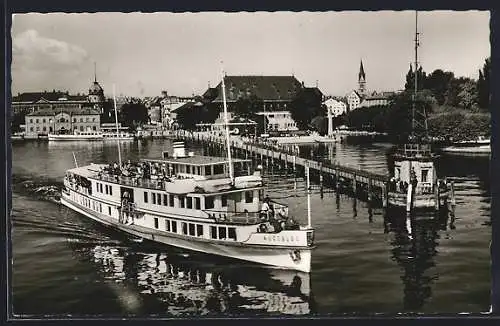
column 76, row 136
column 480, row 146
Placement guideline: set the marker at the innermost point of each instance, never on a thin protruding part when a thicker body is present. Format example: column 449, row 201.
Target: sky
column 143, row 54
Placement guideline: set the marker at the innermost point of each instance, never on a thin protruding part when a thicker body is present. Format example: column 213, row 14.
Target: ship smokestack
column 179, row 149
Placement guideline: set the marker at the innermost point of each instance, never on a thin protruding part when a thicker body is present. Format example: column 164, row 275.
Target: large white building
column 335, row 107
column 279, row 121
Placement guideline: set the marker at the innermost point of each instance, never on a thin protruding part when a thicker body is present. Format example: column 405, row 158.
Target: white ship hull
column 75, row 137
column 284, row 258
column 112, row 136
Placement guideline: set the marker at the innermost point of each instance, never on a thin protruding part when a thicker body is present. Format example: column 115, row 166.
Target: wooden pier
column 367, row 186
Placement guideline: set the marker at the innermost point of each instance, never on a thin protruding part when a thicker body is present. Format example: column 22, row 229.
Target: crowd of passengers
column 274, row 221
column 139, row 170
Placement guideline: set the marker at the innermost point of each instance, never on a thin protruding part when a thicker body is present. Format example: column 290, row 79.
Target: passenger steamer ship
column 201, row 203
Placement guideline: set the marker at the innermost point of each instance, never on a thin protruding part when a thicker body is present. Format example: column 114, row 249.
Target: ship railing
column 221, row 216
column 415, row 150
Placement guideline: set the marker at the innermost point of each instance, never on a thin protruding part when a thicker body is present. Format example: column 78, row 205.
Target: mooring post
column 384, row 196
column 321, row 185
column 452, row 193
column 354, row 186
column 369, row 190
column 436, row 196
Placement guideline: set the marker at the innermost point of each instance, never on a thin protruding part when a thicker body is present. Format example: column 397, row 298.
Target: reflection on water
column 414, row 249
column 187, row 288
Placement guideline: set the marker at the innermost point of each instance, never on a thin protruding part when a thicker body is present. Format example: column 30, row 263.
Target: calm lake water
column 66, row 265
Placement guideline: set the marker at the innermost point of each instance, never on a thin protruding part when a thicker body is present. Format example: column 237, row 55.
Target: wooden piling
column 436, row 196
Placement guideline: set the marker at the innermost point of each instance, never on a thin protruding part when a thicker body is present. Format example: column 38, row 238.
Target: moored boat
column 191, row 202
column 481, row 146
column 76, row 136
column 118, row 136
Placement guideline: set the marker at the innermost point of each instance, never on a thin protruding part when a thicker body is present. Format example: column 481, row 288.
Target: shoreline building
column 273, row 93
column 355, row 97
column 44, row 121
column 360, row 97
column 58, row 112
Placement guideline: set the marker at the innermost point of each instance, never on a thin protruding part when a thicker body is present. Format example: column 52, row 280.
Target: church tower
column 361, row 80
column 96, row 93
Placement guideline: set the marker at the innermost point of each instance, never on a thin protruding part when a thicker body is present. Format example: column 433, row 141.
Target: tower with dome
column 96, row 94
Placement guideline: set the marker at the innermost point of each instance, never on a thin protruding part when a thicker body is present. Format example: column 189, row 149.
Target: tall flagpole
column 226, row 124
column 117, row 131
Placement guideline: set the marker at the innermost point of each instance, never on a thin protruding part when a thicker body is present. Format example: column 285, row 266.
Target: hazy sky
column 181, row 53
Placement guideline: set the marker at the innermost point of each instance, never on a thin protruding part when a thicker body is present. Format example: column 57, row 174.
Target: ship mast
column 117, row 132
column 413, row 122
column 226, row 127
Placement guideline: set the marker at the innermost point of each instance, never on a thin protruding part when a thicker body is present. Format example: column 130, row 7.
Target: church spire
column 361, row 75
column 361, row 79
column 95, row 73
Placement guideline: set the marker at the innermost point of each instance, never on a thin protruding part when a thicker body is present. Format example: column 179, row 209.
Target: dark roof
column 71, row 111
column 314, row 90
column 49, row 96
column 270, row 88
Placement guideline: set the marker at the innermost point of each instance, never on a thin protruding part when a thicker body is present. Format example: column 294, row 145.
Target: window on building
column 199, row 230
column 425, row 175
column 213, row 232
column 51, row 129
column 100, row 208
column 231, row 233
column 184, row 228
column 94, row 128
column 192, row 230
column 81, row 128
column 93, row 119
column 208, row 170
column 145, row 196
column 153, row 198
column 174, row 226
column 167, row 225
column 197, row 203
column 219, row 169
column 189, row 202
column 156, row 222
column 171, row 201
column 209, row 202
column 74, row 119
column 31, row 120
column 87, row 119
column 248, row 196
column 158, row 199
column 37, row 128
column 182, row 202
column 44, row 128
column 111, row 190
column 81, row 119
column 100, row 187
column 224, row 200
column 37, row 120
column 44, row 120
column 109, row 210
column 31, row 128
column 222, row 232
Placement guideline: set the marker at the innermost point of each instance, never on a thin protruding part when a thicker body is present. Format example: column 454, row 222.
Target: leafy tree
column 133, row 115
column 410, row 79
column 483, row 85
column 438, row 82
column 305, row 106
column 191, row 114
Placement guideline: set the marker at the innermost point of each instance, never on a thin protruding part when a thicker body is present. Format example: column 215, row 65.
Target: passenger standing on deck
column 265, row 209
